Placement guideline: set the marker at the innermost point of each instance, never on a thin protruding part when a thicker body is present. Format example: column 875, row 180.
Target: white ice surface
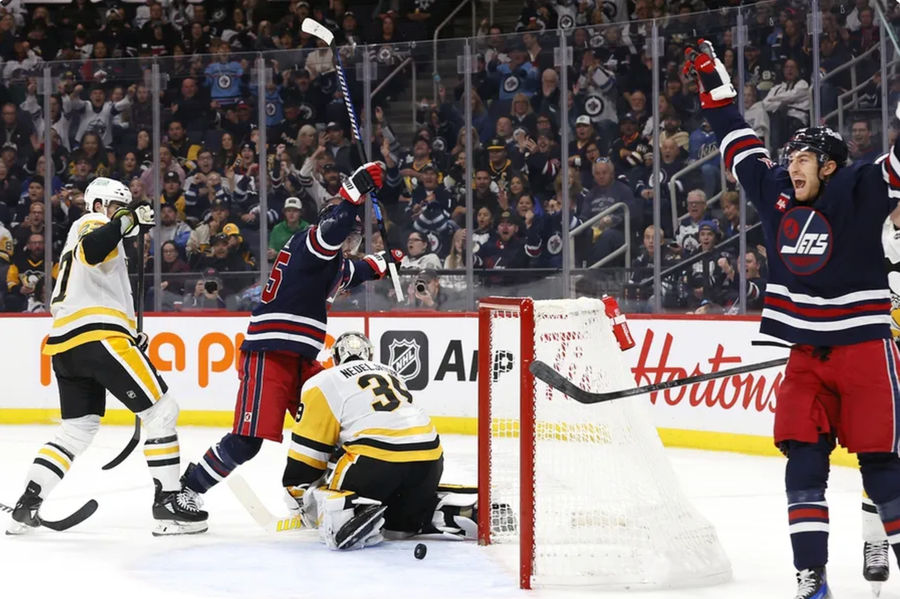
column 112, row 554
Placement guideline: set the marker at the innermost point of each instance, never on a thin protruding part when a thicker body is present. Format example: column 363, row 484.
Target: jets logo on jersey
column 224, row 81
column 804, row 240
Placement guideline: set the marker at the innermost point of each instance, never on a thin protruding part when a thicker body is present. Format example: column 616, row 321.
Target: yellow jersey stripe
column 59, row 459
column 136, row 364
column 93, row 311
column 317, row 464
column 318, row 422
column 161, row 451
column 399, row 432
column 340, row 469
column 80, row 253
column 52, row 348
column 388, row 455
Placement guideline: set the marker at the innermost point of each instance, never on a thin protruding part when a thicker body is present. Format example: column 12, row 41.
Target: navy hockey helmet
column 825, row 142
column 351, row 346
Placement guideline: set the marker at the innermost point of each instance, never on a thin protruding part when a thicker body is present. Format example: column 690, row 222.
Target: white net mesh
column 608, row 509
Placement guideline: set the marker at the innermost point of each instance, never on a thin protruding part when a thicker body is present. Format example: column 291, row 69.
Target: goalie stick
column 251, row 502
column 73, row 519
column 544, row 372
column 316, row 29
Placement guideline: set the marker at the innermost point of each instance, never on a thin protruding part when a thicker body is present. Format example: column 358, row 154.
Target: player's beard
column 352, row 242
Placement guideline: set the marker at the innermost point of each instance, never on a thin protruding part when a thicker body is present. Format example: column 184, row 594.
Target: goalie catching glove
column 137, row 214
column 366, row 178
column 380, row 260
column 702, row 63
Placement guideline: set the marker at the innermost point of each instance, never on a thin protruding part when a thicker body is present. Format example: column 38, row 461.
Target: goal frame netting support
column 525, row 308
column 586, row 491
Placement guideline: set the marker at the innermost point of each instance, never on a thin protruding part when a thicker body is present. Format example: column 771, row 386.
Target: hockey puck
column 420, row 551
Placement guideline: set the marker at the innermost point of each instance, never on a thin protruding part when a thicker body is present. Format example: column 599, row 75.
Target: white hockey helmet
column 351, row 346
column 107, row 191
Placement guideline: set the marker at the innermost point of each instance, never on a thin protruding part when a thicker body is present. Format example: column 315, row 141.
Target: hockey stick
column 316, row 29
column 257, row 510
column 139, row 314
column 76, row 517
column 545, row 373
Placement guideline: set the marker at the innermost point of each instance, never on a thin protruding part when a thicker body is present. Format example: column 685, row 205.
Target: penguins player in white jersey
column 95, row 348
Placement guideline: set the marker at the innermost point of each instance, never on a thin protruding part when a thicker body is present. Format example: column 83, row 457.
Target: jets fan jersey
column 89, row 303
column 365, row 409
column 306, row 276
column 827, row 282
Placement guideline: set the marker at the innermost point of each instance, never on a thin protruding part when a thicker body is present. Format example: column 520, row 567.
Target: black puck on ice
column 420, row 551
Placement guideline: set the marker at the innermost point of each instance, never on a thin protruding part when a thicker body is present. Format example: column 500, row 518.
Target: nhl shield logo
column 407, row 353
column 404, row 357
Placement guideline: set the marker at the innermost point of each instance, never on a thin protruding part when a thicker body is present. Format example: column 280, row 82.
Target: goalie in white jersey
column 94, row 348
column 390, row 458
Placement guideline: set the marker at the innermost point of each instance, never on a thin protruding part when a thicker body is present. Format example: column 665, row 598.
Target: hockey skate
column 875, row 565
column 178, row 512
column 811, row 584
column 25, row 514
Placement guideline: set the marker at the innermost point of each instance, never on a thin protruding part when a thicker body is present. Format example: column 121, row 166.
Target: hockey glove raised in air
column 379, row 261
column 137, row 214
column 702, row 63
column 366, row 178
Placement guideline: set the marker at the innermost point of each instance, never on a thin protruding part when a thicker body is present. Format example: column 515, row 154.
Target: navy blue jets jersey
column 306, row 276
column 827, row 282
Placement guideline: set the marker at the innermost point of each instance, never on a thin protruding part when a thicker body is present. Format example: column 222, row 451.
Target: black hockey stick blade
column 73, row 519
column 545, row 373
column 126, row 451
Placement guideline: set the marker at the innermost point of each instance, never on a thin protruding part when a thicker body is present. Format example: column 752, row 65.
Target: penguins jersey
column 365, row 409
column 890, row 240
column 90, row 302
column 6, row 244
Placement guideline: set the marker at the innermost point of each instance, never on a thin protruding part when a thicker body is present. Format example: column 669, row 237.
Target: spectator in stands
column 427, row 292
column 199, row 240
column 172, row 265
column 672, row 130
column 93, row 152
column 628, row 150
column 860, row 143
column 606, row 192
column 867, row 35
column 9, row 188
column 516, row 75
column 430, row 191
column 546, row 99
column 484, row 228
column 128, row 167
column 18, row 131
column 285, row 229
column 224, row 77
column 434, row 223
column 173, row 194
column 227, row 154
column 499, row 165
column 25, row 277
column 542, row 160
column 702, row 143
column 97, row 113
column 522, row 115
column 687, row 236
column 171, row 229
column 222, row 260
column 754, row 113
column 787, row 104
column 330, row 185
column 196, row 186
column 584, row 135
column 506, row 249
column 418, row 253
column 756, row 280
column 136, row 187
column 183, row 151
column 205, row 295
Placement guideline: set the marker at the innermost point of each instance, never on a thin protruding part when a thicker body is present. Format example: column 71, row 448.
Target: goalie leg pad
column 346, row 520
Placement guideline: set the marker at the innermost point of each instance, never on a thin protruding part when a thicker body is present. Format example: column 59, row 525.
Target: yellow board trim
column 94, row 311
column 445, row 425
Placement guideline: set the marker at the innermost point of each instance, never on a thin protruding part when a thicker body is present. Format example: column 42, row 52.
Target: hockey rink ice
column 112, row 554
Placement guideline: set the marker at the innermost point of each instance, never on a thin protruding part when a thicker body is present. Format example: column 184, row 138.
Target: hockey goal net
column 586, row 491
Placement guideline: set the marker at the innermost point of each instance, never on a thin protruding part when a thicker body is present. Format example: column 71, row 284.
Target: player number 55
column 275, row 277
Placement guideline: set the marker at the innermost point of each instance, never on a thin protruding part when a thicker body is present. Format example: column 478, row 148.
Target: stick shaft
column 545, row 373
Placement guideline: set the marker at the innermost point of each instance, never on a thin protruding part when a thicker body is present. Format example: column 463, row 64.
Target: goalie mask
column 352, row 346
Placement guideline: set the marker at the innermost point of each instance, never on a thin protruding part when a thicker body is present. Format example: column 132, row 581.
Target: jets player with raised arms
column 95, row 348
column 287, row 329
column 390, row 461
column 828, row 297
